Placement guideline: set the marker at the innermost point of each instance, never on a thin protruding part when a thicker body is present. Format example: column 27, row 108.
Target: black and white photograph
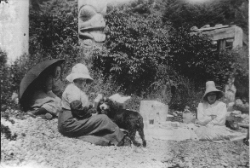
column 124, row 83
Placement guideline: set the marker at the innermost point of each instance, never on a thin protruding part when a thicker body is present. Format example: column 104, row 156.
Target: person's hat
column 79, row 71
column 210, row 87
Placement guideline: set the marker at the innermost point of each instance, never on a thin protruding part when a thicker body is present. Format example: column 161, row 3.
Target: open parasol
column 33, row 74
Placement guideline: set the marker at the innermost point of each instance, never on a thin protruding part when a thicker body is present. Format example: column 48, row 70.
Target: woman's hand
column 79, row 111
column 197, row 122
column 91, row 105
column 204, row 123
column 201, row 123
column 91, row 109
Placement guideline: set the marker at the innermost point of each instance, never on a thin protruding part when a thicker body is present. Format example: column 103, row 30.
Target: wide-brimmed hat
column 79, row 71
column 210, row 87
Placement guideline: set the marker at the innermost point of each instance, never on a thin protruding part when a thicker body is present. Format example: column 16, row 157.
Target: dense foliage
column 196, row 57
column 53, row 30
column 148, row 52
column 4, row 88
column 135, row 46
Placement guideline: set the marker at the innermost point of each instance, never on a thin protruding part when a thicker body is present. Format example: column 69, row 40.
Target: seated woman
column 76, row 120
column 57, row 84
column 45, row 101
column 212, row 115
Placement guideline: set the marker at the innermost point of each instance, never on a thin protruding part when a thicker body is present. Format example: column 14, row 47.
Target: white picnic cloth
column 181, row 131
column 171, row 131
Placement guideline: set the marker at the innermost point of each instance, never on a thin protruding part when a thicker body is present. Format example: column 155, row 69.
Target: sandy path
column 39, row 144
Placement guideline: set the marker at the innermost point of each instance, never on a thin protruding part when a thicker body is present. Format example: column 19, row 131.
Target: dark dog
column 129, row 120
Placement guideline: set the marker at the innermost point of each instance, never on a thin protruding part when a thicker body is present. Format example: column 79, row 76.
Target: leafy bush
column 11, row 76
column 53, row 28
column 174, row 89
column 194, row 56
column 141, row 57
column 240, row 69
column 4, row 86
column 53, row 33
column 135, row 46
column 107, row 87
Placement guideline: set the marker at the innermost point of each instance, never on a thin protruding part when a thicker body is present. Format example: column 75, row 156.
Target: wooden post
column 91, row 24
column 14, row 28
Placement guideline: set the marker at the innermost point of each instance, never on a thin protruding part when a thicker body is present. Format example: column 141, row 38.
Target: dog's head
column 103, row 106
column 106, row 106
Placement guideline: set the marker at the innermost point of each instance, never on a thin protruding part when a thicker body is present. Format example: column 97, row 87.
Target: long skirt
column 216, row 133
column 41, row 99
column 97, row 129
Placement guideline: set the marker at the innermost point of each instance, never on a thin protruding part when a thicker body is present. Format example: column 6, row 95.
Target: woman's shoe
column 127, row 141
column 48, row 116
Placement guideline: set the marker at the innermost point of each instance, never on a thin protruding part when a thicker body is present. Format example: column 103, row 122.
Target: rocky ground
column 35, row 142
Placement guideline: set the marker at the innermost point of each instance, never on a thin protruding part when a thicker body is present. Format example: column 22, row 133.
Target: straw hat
column 79, row 71
column 210, row 87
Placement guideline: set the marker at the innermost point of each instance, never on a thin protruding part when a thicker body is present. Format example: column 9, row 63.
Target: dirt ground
column 39, row 144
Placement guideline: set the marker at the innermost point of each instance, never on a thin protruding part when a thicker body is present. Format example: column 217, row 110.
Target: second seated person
column 212, row 115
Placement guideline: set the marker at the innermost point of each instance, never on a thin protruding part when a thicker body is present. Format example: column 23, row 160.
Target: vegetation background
column 148, row 53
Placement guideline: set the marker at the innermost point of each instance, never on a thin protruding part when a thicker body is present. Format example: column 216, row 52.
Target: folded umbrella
column 32, row 75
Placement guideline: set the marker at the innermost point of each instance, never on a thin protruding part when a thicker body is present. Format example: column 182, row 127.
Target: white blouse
column 218, row 108
column 71, row 93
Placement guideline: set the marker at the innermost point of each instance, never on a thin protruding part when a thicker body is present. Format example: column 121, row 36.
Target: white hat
column 210, row 87
column 79, row 71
